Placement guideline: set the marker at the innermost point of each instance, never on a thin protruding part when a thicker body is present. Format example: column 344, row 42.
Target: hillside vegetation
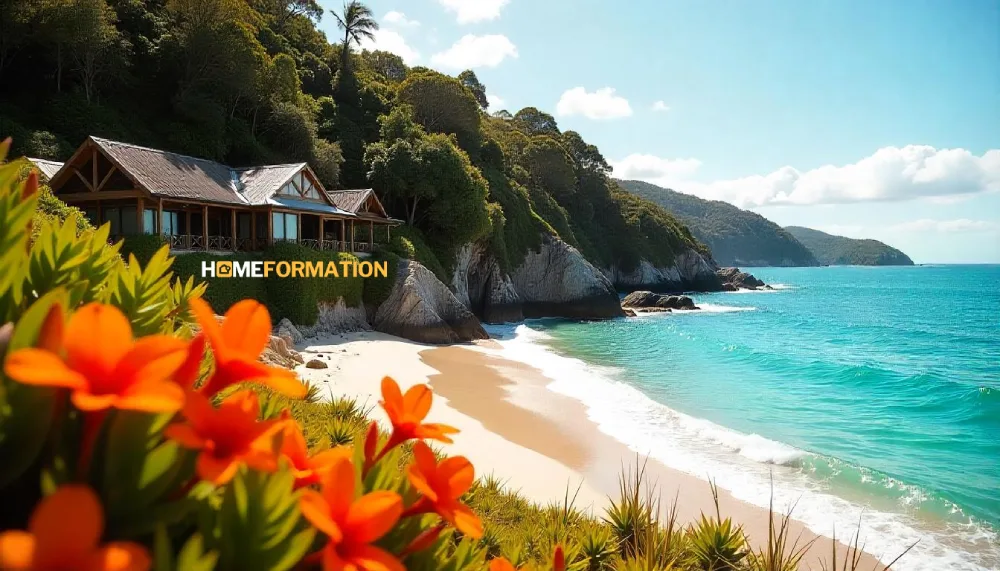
column 255, row 81
column 841, row 251
column 736, row 237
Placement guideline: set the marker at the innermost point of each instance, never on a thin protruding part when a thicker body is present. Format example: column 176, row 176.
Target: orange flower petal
column 152, row 396
column 435, row 432
column 120, row 556
column 323, row 461
column 315, row 509
column 293, row 446
column 392, row 398
column 372, row 516
column 338, row 487
column 238, row 370
column 198, row 409
column 187, row 374
column 90, row 402
column 245, row 401
column 97, row 337
column 156, row 357
column 285, row 382
column 371, row 558
column 466, row 521
column 50, row 337
column 421, row 472
column 247, row 328
column 333, row 562
column 185, row 435
column 558, row 559
column 40, row 367
column 459, row 474
column 501, row 564
column 209, row 326
column 216, row 470
column 67, row 525
column 17, row 550
column 417, row 402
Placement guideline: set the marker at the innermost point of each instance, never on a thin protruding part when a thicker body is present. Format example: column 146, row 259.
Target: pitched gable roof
column 172, row 175
column 257, row 184
column 354, row 201
column 46, row 167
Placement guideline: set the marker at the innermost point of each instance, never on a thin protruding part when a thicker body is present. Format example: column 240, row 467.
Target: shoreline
column 510, row 420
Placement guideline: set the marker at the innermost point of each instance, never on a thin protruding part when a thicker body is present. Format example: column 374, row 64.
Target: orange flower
column 227, row 436
column 501, row 564
column 407, row 413
column 442, row 485
column 308, row 469
column 237, row 343
column 352, row 524
column 104, row 366
column 63, row 533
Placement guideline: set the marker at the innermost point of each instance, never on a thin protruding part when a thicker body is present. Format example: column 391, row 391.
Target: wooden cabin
column 199, row 204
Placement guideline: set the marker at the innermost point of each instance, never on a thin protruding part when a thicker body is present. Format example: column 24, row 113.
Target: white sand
column 357, row 363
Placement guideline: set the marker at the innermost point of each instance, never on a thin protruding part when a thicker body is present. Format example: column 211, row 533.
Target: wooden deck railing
column 223, row 243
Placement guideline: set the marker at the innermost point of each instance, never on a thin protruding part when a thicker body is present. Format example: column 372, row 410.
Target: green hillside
column 736, row 237
column 254, row 81
column 840, row 251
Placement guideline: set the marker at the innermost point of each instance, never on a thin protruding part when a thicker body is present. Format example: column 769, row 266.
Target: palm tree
column 358, row 23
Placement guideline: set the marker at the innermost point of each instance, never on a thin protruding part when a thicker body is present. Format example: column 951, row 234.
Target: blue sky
column 865, row 118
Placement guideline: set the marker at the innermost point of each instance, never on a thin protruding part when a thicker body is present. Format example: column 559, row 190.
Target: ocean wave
column 747, row 464
column 715, row 308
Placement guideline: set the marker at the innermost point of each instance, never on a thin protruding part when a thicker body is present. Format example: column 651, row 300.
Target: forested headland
column 255, row 81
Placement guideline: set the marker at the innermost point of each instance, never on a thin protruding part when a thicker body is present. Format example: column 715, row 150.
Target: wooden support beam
column 93, row 163
column 270, row 226
column 204, row 226
column 321, row 233
column 233, row 226
column 342, row 224
column 352, row 236
column 158, row 223
column 86, row 182
column 298, row 228
column 139, row 207
column 187, row 227
column 371, row 235
column 253, row 230
column 105, row 195
column 106, row 177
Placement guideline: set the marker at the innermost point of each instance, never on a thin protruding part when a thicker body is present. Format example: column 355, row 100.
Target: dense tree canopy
column 253, row 81
column 835, row 250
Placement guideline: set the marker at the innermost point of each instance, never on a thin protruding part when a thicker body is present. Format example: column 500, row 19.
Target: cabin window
column 149, row 221
column 243, row 224
column 286, row 226
column 171, row 223
column 91, row 214
column 122, row 219
column 289, row 190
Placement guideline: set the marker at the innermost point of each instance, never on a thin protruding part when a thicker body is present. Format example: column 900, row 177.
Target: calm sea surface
column 852, row 388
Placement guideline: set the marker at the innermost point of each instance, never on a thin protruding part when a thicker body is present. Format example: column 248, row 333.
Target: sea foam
column 749, row 466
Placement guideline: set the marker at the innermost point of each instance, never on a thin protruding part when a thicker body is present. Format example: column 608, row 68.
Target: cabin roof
column 46, row 167
column 355, row 201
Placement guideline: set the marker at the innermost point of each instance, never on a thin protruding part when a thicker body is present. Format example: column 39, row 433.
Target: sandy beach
column 537, row 441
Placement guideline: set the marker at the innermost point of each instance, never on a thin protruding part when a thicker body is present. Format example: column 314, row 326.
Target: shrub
column 142, row 246
column 408, row 242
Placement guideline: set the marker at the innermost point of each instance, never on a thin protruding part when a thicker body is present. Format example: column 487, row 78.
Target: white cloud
column 890, row 174
column 961, row 225
column 601, row 104
column 399, row 19
column 469, row 11
column 661, row 107
column 392, row 41
column 496, row 102
column 476, row 51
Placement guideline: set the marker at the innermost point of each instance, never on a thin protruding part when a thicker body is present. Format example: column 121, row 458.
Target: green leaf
column 26, row 412
column 193, row 556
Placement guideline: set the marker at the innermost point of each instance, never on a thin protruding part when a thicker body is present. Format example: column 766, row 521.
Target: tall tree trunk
column 345, row 54
column 411, row 214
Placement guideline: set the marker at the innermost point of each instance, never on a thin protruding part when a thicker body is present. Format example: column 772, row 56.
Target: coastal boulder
column 733, row 279
column 421, row 308
column 557, row 281
column 480, row 284
column 288, row 330
column 649, row 301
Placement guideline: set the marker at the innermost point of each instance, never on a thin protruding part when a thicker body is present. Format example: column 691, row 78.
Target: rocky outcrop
column 649, row 301
column 280, row 352
column 733, row 279
column 480, row 284
column 557, row 281
column 338, row 318
column 420, row 307
column 690, row 272
column 287, row 330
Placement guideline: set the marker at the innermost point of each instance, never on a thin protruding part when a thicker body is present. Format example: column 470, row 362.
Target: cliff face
column 691, row 272
column 557, row 281
column 480, row 284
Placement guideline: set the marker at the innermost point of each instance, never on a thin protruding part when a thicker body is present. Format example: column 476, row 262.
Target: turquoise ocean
column 861, row 392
